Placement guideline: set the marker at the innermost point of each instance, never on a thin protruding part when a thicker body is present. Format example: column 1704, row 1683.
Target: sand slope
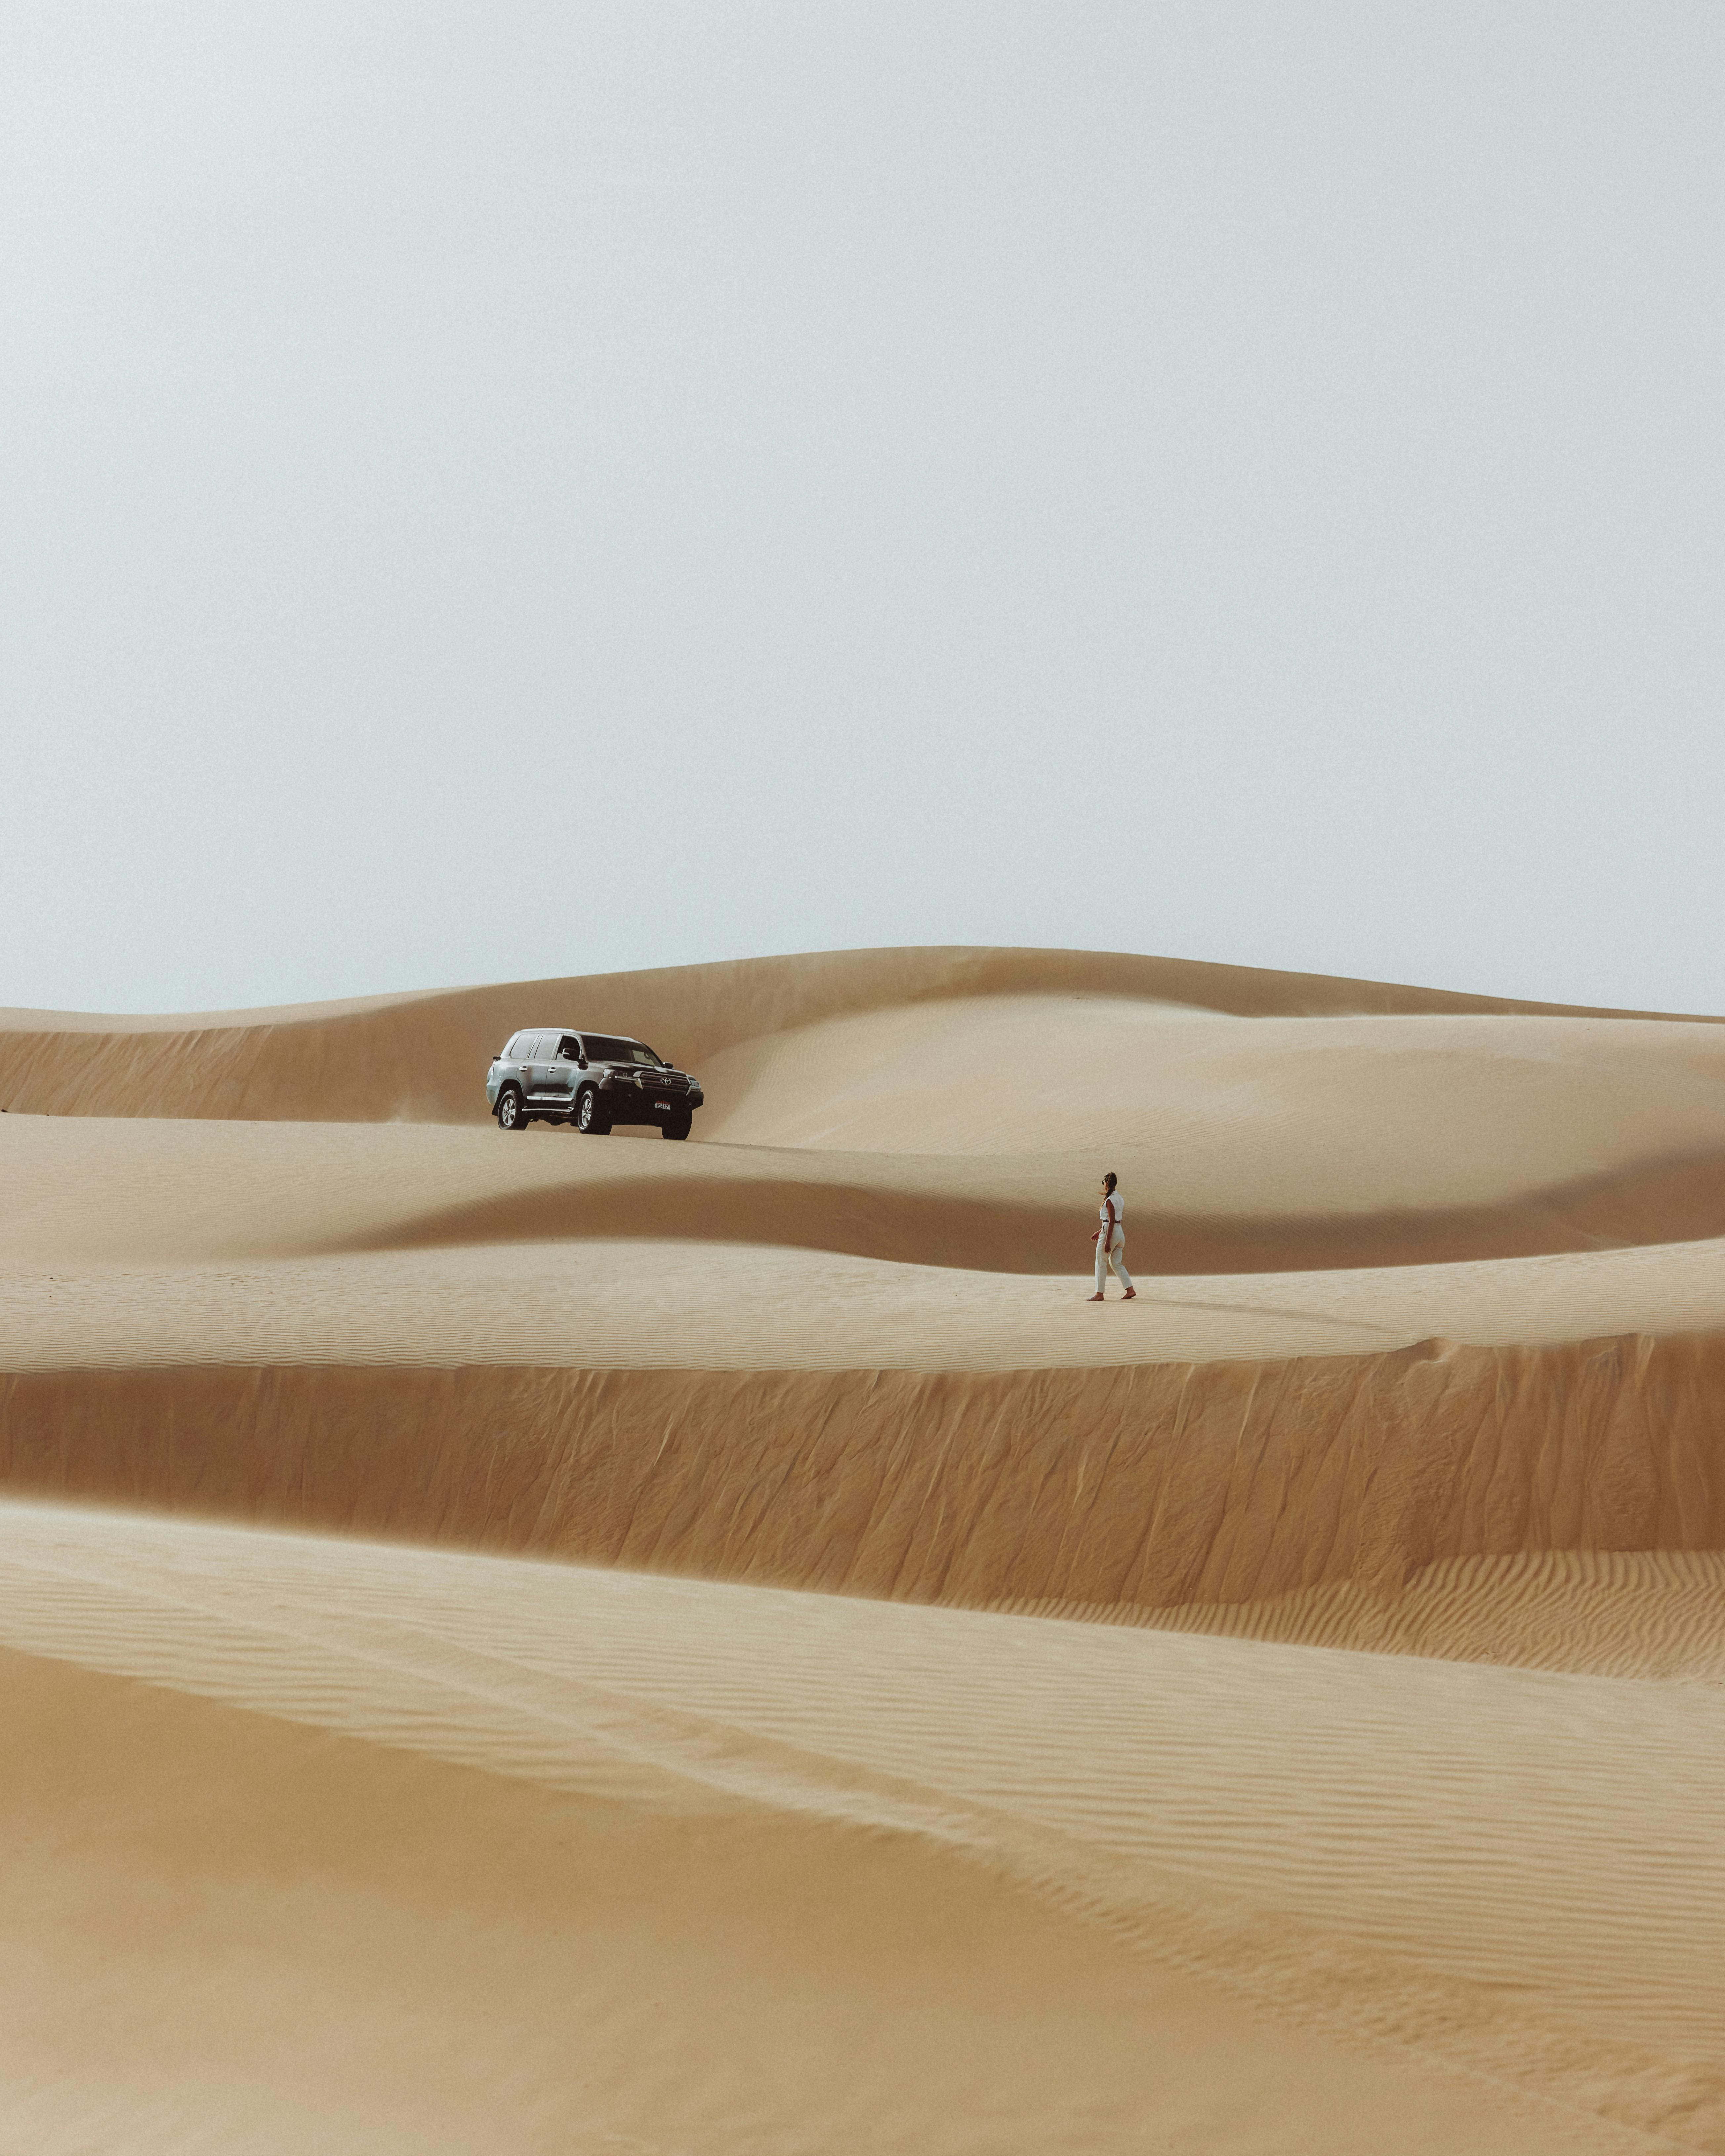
column 1280, row 1714
column 1265, row 1896
column 1136, row 1489
column 953, row 1130
column 839, row 1346
column 418, row 1056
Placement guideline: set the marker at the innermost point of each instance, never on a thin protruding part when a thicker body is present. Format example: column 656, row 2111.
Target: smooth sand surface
column 1280, row 1714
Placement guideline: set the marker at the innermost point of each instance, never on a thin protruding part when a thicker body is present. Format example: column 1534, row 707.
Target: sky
column 493, row 492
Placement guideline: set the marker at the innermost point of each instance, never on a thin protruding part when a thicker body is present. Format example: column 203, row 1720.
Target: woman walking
column 1110, row 1239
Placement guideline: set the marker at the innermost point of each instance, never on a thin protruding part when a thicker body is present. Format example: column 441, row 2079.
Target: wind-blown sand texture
column 1280, row 1714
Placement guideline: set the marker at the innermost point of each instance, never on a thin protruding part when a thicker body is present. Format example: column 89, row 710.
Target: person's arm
column 1109, row 1243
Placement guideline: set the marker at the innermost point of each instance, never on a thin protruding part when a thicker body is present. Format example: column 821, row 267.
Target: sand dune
column 1267, row 1895
column 1264, row 1146
column 415, row 1056
column 1136, row 1488
column 1279, row 1714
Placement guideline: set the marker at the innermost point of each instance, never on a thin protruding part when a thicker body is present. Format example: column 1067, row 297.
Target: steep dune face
column 1125, row 1490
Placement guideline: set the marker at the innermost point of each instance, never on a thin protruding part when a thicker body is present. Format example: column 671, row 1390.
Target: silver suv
column 592, row 1080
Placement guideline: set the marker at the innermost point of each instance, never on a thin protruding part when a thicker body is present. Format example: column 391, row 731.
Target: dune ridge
column 1141, row 1487
column 415, row 1056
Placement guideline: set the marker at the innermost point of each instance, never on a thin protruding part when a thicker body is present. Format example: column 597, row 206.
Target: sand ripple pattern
column 1614, row 1613
column 1517, row 1872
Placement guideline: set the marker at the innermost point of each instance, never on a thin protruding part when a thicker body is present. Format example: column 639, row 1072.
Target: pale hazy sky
column 512, row 490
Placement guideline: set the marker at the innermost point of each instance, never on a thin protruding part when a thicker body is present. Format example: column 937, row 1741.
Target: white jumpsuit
column 1111, row 1243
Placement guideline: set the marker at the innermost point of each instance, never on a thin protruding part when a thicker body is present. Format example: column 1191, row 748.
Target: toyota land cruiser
column 589, row 1080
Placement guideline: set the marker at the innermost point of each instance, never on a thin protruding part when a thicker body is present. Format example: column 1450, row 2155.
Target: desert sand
column 535, row 1642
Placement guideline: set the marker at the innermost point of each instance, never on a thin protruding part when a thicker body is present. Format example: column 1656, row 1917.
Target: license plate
column 661, row 1105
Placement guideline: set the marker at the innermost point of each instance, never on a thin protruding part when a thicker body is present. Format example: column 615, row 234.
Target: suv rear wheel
column 590, row 1119
column 511, row 1111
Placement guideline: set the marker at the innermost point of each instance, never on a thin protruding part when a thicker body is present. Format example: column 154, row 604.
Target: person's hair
column 1112, row 1181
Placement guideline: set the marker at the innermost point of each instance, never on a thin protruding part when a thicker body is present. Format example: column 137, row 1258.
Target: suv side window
column 568, row 1050
column 512, row 1054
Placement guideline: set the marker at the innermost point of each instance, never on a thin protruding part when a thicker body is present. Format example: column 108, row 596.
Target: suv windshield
column 606, row 1047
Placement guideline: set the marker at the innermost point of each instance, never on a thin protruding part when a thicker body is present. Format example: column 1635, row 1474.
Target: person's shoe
column 1131, row 1295
column 1093, row 1298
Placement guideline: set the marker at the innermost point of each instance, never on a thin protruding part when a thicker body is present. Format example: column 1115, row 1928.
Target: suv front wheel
column 590, row 1119
column 511, row 1111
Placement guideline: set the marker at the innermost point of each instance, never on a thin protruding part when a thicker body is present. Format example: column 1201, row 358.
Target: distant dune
column 380, row 1058
column 1309, row 1735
